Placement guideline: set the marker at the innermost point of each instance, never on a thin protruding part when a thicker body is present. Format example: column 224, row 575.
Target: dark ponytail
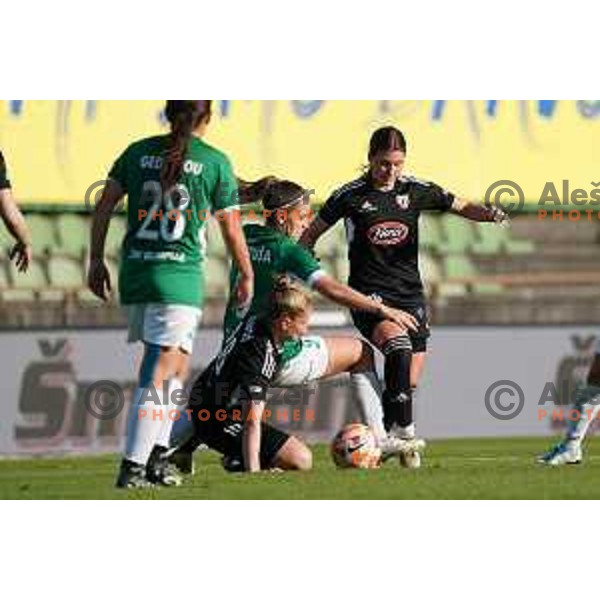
column 276, row 195
column 184, row 117
column 387, row 139
column 254, row 191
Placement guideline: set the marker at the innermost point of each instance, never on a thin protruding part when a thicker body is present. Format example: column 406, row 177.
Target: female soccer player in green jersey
column 172, row 181
column 308, row 358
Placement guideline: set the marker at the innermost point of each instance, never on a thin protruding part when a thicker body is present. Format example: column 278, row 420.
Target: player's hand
column 244, row 292
column 21, row 254
column 99, row 279
column 400, row 317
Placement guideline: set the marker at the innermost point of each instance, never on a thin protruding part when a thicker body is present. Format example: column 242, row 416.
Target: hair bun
column 282, row 283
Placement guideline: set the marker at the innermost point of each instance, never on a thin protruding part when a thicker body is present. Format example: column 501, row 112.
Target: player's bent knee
column 304, row 460
column 294, row 456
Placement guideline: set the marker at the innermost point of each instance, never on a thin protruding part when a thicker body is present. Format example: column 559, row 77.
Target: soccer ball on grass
column 355, row 447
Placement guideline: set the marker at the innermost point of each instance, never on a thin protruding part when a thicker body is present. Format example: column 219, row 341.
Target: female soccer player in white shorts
column 172, row 182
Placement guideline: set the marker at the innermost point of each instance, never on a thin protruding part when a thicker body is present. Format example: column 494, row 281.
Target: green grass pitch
column 457, row 469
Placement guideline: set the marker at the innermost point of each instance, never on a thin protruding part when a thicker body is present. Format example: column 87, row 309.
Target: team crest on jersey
column 403, row 201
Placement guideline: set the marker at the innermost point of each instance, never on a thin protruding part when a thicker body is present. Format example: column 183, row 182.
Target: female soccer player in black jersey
column 381, row 213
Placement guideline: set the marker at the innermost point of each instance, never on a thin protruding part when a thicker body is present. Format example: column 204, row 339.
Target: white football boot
column 411, row 457
column 407, row 449
column 565, row 453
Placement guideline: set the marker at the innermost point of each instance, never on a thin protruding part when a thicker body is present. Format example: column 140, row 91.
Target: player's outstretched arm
column 478, row 212
column 314, row 231
column 16, row 225
column 346, row 296
column 251, row 435
column 98, row 274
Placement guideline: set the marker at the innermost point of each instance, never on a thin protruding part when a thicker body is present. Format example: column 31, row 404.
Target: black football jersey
column 4, row 182
column 243, row 369
column 382, row 229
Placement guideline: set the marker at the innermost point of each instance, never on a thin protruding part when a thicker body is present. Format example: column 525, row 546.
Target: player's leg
column 416, row 372
column 181, row 323
column 357, row 358
column 322, row 357
column 396, row 347
column 278, row 450
column 412, row 460
column 419, row 341
column 159, row 468
column 417, row 369
column 147, row 415
column 401, row 375
column 167, row 331
column 586, row 407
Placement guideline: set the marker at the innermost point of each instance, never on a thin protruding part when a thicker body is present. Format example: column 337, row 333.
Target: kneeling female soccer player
column 227, row 401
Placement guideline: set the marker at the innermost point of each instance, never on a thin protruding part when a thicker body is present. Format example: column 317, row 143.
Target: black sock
column 191, row 445
column 397, row 410
column 397, row 398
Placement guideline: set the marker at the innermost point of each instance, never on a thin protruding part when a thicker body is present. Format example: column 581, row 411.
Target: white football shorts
column 166, row 325
column 307, row 366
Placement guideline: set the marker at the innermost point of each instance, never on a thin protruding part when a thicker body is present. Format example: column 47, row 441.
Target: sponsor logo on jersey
column 403, row 201
column 388, row 233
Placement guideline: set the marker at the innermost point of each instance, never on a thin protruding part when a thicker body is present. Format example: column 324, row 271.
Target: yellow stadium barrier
column 57, row 149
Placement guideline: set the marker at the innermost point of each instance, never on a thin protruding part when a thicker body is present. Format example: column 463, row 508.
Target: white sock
column 587, row 404
column 164, row 438
column 144, row 424
column 367, row 393
column 408, row 432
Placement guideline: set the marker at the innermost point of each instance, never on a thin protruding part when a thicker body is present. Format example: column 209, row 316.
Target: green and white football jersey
column 162, row 259
column 272, row 253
